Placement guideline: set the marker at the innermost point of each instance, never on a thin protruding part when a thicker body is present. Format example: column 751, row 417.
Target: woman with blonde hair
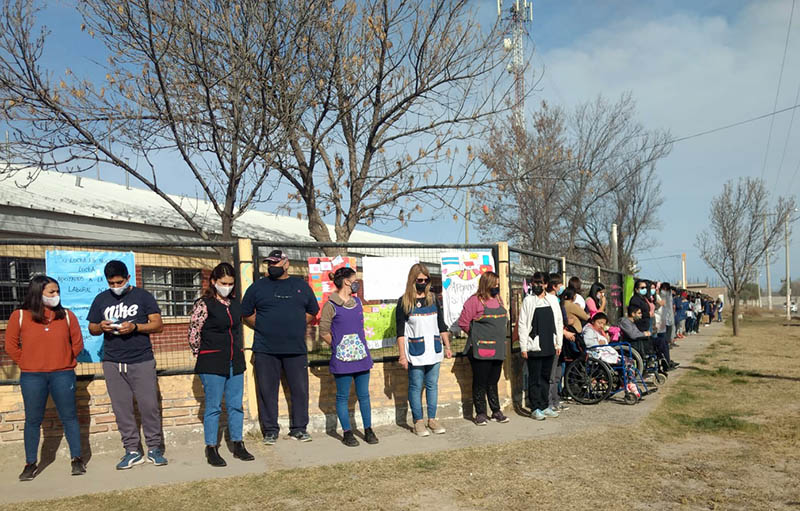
column 423, row 341
column 485, row 320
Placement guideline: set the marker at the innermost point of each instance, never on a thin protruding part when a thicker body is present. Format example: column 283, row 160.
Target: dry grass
column 726, row 436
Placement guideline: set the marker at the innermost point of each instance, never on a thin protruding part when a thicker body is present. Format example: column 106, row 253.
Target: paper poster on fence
column 380, row 325
column 460, row 274
column 318, row 270
column 80, row 277
column 385, row 278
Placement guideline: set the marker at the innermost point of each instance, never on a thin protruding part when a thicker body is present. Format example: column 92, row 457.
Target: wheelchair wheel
column 660, row 378
column 589, row 381
column 631, row 398
column 632, row 354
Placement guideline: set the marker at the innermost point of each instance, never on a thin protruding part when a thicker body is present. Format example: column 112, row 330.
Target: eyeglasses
column 422, row 281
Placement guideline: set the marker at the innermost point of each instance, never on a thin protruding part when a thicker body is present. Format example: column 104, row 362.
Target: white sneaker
column 538, row 415
column 549, row 412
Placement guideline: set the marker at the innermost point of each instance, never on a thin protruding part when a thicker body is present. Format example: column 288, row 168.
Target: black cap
column 276, row 256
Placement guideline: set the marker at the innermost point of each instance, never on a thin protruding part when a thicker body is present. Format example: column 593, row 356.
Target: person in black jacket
column 215, row 337
column 639, row 299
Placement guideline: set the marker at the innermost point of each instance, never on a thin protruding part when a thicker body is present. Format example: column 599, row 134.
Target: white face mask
column 223, row 291
column 119, row 290
column 51, row 301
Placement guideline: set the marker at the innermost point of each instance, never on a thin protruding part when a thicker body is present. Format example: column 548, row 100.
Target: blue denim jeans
column 214, row 387
column 343, row 382
column 35, row 388
column 417, row 377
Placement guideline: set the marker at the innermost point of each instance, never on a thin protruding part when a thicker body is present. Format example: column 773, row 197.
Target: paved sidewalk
column 187, row 462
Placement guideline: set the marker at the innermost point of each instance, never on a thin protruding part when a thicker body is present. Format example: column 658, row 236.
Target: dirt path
column 187, row 462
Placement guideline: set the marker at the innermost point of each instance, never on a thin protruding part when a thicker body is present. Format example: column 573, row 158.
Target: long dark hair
column 596, row 288
column 221, row 270
column 33, row 300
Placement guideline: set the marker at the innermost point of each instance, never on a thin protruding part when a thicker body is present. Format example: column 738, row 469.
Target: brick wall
column 182, row 397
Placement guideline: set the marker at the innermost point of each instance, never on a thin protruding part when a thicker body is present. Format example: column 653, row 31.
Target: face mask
column 51, row 301
column 223, row 291
column 354, row 287
column 275, row 271
column 561, row 289
column 421, row 287
column 643, row 291
column 537, row 289
column 652, row 291
column 494, row 291
column 119, row 290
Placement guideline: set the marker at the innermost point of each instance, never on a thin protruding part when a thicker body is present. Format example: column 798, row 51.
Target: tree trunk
column 735, row 318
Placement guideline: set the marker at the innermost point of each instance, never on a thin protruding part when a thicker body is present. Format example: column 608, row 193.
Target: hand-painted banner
column 380, row 325
column 318, row 270
column 460, row 274
column 80, row 277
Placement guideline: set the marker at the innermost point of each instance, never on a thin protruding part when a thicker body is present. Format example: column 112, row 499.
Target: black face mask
column 275, row 272
column 537, row 289
column 421, row 287
column 494, row 291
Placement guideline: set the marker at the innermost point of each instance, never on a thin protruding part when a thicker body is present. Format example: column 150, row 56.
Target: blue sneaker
column 549, row 412
column 130, row 459
column 538, row 415
column 155, row 457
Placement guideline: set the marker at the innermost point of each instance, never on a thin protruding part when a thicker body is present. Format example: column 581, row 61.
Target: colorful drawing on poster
column 318, row 278
column 380, row 325
column 460, row 274
column 81, row 279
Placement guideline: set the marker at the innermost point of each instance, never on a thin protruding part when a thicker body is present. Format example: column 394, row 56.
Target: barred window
column 175, row 289
column 15, row 274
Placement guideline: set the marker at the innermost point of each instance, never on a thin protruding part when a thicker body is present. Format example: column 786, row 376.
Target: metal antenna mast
column 520, row 13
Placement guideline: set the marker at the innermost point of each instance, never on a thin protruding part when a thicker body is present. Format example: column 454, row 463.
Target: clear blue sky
column 691, row 66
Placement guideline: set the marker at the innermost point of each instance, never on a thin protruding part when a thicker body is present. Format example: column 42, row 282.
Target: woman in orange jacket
column 44, row 339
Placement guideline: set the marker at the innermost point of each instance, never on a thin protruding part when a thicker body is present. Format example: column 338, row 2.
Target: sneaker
column 300, row 436
column 369, row 436
column 155, row 457
column 78, row 468
column 499, row 417
column 538, row 415
column 29, row 472
column 420, row 429
column 349, row 439
column 562, row 407
column 549, row 412
column 437, row 428
column 270, row 438
column 130, row 459
column 481, row 420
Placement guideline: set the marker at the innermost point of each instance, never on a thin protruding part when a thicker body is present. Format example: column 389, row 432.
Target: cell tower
column 520, row 14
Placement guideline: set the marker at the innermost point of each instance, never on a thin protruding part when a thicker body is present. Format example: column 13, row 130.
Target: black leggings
column 539, row 369
column 485, row 375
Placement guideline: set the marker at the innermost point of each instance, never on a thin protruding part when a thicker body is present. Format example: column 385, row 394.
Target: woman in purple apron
column 485, row 320
column 342, row 327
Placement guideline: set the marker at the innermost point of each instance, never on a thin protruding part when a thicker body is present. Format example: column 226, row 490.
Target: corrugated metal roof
column 58, row 192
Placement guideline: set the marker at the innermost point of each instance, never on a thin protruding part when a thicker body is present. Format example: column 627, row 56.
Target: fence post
column 504, row 272
column 245, row 271
column 564, row 270
column 599, row 274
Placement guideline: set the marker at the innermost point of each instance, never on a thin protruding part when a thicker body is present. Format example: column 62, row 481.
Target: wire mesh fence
column 379, row 315
column 175, row 273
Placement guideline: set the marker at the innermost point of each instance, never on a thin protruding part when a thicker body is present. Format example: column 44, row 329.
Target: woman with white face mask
column 44, row 339
column 215, row 337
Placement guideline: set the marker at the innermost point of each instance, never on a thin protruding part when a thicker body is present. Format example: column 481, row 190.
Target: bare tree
column 736, row 241
column 579, row 174
column 192, row 78
column 400, row 87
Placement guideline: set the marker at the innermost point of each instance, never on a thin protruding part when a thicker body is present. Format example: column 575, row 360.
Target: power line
column 728, row 126
column 786, row 142
column 777, row 92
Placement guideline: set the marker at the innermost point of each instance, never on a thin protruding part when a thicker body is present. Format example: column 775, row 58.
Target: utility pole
column 788, row 276
column 759, row 291
column 466, row 219
column 683, row 269
column 614, row 247
column 766, row 262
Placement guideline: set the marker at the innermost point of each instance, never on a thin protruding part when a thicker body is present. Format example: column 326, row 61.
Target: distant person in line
column 651, row 301
column 423, row 340
column 485, row 320
column 576, row 315
column 596, row 301
column 541, row 330
column 126, row 316
column 341, row 326
column 215, row 338
column 641, row 291
column 279, row 308
column 575, row 284
column 669, row 312
column 720, row 305
column 661, row 341
column 710, row 312
column 44, row 340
